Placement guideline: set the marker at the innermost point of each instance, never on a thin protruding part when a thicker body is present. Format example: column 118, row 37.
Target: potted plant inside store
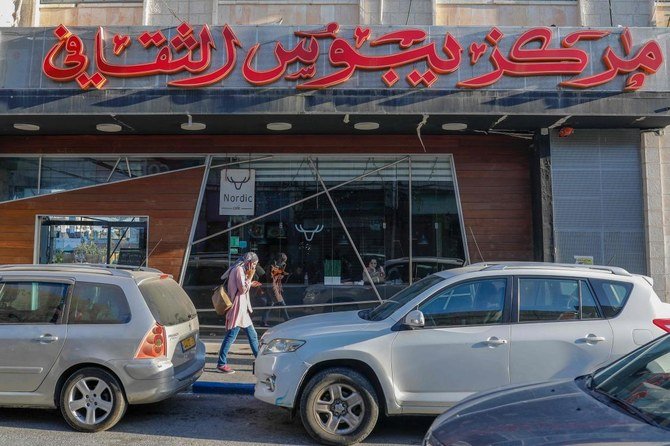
column 58, row 256
column 87, row 252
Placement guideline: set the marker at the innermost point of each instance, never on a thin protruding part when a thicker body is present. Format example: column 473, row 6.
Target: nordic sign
column 238, row 190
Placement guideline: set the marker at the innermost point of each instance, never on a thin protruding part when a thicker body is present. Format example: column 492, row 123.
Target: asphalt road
column 191, row 419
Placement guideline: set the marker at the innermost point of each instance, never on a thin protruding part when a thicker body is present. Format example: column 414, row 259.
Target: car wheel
column 91, row 400
column 339, row 406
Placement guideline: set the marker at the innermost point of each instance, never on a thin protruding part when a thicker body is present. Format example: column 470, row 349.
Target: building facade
column 422, row 134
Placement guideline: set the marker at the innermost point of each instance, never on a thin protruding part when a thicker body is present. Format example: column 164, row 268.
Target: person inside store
column 240, row 281
column 297, row 276
column 278, row 273
column 376, row 272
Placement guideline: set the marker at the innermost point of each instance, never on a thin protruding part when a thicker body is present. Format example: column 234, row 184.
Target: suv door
column 462, row 349
column 560, row 330
column 32, row 332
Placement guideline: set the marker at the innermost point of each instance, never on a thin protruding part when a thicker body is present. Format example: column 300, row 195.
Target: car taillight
column 154, row 344
column 664, row 324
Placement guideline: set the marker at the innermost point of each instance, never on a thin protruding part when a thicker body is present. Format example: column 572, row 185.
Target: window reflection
column 110, row 240
column 31, row 176
column 292, row 215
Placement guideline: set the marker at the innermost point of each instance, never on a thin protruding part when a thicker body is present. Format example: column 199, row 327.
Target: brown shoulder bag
column 221, row 300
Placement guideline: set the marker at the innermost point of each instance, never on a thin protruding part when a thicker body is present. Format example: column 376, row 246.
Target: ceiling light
column 108, row 127
column 366, row 125
column 279, row 126
column 26, row 127
column 192, row 126
column 454, row 126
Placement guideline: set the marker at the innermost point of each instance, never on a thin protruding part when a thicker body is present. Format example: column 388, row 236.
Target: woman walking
column 240, row 281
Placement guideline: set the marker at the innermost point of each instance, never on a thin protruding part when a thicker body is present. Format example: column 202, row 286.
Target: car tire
column 91, row 400
column 339, row 407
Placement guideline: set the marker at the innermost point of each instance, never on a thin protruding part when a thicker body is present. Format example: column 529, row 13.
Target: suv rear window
column 168, row 302
column 98, row 303
column 611, row 295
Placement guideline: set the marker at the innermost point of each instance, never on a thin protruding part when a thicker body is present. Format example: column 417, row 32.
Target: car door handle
column 589, row 338
column 47, row 339
column 493, row 341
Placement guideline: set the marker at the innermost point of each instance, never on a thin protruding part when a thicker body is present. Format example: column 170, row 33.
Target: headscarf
column 245, row 258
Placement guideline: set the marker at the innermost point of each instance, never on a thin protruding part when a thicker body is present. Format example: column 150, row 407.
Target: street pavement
column 189, row 419
column 194, row 419
column 239, row 358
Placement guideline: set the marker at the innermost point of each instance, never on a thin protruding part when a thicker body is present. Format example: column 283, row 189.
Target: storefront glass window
column 293, row 215
column 110, row 240
column 27, row 177
column 19, row 178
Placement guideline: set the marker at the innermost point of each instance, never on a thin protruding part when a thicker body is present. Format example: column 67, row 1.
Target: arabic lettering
column 648, row 58
column 424, row 60
column 75, row 61
column 523, row 61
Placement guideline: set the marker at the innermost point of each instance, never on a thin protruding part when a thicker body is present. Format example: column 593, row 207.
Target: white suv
column 450, row 335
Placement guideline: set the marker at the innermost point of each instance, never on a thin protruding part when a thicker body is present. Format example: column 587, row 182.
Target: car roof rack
column 92, row 268
column 489, row 266
column 127, row 267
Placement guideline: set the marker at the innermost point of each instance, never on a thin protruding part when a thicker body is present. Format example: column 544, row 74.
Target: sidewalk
column 239, row 358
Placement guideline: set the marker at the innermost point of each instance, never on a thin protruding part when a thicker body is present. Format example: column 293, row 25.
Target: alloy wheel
column 90, row 400
column 339, row 408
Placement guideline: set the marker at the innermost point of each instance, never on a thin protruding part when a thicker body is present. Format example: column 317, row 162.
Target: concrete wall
column 471, row 13
column 90, row 15
column 288, row 12
column 655, row 155
column 350, row 12
column 7, row 8
column 174, row 12
column 617, row 12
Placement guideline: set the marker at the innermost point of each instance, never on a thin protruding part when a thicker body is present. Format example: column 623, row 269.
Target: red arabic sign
column 189, row 52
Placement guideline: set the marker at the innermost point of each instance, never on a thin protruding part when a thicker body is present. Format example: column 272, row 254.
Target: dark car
column 625, row 402
column 321, row 297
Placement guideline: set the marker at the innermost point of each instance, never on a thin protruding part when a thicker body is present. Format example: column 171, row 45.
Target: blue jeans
column 230, row 337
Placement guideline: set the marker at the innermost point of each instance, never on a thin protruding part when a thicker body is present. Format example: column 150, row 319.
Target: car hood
column 559, row 412
column 318, row 324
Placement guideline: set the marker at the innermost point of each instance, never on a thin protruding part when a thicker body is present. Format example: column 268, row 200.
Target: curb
column 223, row 388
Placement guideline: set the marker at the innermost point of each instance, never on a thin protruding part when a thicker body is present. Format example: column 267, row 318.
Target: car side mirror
column 415, row 319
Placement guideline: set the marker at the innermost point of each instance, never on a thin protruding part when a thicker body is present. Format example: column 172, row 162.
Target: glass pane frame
column 27, row 176
column 415, row 165
column 84, row 246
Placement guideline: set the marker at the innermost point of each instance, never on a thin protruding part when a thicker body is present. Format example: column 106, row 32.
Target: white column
column 655, row 157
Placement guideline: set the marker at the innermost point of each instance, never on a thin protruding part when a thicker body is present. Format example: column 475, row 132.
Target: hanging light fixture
column 192, row 126
column 343, row 241
column 423, row 241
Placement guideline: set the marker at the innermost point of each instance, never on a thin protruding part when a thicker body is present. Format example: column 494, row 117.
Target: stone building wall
column 617, row 12
column 655, row 155
column 351, row 12
column 537, row 13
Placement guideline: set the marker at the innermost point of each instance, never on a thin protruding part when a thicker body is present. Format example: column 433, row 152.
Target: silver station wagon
column 90, row 340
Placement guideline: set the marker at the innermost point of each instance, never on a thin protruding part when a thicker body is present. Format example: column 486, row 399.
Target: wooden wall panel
column 168, row 200
column 495, row 190
column 493, row 173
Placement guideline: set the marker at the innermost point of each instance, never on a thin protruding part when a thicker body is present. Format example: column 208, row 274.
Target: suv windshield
column 168, row 302
column 640, row 382
column 387, row 308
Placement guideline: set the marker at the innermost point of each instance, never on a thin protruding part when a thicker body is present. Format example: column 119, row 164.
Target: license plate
column 188, row 343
